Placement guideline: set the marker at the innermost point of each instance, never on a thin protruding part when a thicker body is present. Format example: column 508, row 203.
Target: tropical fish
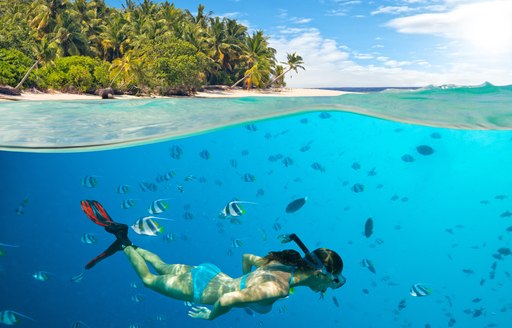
column 287, row 161
column 357, row 188
column 248, row 177
column 122, row 189
column 10, row 318
column 356, row 166
column 79, row 277
column 148, row 226
column 233, row 209
column 324, row 115
column 251, row 127
column 41, row 276
column 402, row 305
column 368, row 227
column 420, row 290
column 128, row 203
column 190, row 178
column 137, row 298
column 277, row 226
column 176, row 152
column 365, row 291
column 318, row 167
column 506, row 214
column 368, row 264
column 148, row 186
column 134, row 284
column 21, row 208
column 89, row 181
column 304, row 120
column 451, row 322
column 88, row 238
column 435, row 135
column 373, row 173
column 79, row 324
column 407, row 158
column 245, row 152
column 425, row 150
column 205, row 154
column 188, row 215
column 500, row 197
column 236, row 243
column 169, row 237
column 306, row 147
column 335, row 301
column 476, row 300
column 296, row 205
column 158, row 206
column 233, row 162
column 509, row 229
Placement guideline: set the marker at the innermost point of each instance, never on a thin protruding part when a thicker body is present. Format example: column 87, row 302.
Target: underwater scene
column 421, row 216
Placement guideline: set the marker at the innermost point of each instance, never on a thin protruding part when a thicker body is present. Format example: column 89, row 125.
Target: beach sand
column 228, row 93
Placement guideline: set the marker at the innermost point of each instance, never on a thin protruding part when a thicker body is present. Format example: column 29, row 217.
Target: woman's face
column 323, row 281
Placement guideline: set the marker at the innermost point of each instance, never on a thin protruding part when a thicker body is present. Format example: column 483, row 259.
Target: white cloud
column 329, row 64
column 394, row 10
column 479, row 29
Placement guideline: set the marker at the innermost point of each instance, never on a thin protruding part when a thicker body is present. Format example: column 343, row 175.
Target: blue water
column 434, row 217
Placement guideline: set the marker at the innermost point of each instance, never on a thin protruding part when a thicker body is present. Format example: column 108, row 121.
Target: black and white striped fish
column 9, row 317
column 88, row 238
column 148, row 226
column 420, row 290
column 158, row 206
column 233, row 209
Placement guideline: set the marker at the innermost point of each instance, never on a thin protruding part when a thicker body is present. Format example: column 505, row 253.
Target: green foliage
column 75, row 74
column 174, row 66
column 13, row 65
column 152, row 45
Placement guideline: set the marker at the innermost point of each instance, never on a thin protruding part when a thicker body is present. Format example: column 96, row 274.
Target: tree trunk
column 115, row 77
column 26, row 76
column 277, row 78
column 238, row 82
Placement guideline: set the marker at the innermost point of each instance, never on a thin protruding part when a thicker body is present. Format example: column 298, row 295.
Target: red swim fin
column 113, row 248
column 95, row 211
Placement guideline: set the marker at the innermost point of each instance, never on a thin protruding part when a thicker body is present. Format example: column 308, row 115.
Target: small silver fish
column 41, row 276
column 9, row 317
column 79, row 277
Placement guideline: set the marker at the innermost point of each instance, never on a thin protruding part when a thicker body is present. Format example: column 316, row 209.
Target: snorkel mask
column 336, row 280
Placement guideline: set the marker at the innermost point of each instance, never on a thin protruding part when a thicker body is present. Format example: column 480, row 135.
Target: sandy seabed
column 227, row 93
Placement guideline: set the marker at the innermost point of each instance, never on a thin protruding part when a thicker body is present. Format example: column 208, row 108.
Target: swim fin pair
column 95, row 211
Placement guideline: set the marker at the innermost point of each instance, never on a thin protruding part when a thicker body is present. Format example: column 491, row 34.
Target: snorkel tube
column 316, row 263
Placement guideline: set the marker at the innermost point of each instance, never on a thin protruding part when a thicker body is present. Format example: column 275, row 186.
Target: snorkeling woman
column 275, row 274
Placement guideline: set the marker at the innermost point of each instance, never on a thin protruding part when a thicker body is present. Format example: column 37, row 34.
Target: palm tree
column 69, row 36
column 294, row 62
column 46, row 12
column 114, row 36
column 256, row 52
column 45, row 52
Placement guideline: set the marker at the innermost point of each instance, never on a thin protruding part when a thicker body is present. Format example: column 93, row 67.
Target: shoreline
column 222, row 93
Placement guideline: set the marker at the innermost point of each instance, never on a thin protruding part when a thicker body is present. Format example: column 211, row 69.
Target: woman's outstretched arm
column 268, row 291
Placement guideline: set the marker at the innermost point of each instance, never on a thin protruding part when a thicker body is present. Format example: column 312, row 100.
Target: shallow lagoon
column 438, row 220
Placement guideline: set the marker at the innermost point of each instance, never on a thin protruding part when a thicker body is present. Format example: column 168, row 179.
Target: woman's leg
column 160, row 266
column 178, row 286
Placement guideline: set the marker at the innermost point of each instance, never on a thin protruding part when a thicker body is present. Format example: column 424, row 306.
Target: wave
column 63, row 126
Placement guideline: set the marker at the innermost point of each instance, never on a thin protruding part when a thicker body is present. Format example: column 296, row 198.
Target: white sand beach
column 222, row 93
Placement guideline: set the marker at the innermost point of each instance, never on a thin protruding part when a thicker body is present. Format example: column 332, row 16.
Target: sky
column 351, row 43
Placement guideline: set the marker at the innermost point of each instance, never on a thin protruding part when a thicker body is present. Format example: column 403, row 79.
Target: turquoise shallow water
column 442, row 219
column 69, row 125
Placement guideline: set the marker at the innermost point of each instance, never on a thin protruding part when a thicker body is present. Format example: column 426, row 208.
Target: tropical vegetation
column 143, row 47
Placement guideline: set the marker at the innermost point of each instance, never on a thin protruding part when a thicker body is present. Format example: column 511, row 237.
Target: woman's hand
column 200, row 312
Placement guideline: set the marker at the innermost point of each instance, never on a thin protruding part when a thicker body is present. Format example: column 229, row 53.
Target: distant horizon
column 399, row 42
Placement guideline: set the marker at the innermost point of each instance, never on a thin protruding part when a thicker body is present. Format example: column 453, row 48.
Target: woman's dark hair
column 330, row 259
